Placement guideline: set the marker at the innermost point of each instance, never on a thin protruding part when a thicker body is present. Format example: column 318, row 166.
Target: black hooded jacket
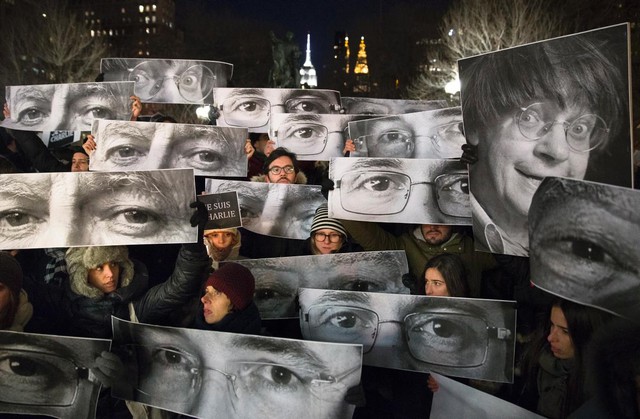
column 91, row 316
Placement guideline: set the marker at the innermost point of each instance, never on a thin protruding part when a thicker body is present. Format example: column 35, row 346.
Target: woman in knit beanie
column 328, row 235
column 15, row 309
column 227, row 301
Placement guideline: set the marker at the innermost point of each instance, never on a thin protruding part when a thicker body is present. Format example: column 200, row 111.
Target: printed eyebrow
column 111, row 183
column 312, row 94
column 344, row 297
column 190, row 132
column 245, row 92
column 436, row 304
column 113, row 130
column 252, row 190
column 384, row 120
column 376, row 163
column 16, row 186
column 621, row 202
column 178, row 65
column 270, row 264
column 39, row 344
column 42, row 93
column 300, row 192
column 85, row 90
column 286, row 351
column 448, row 112
column 371, row 125
column 303, row 117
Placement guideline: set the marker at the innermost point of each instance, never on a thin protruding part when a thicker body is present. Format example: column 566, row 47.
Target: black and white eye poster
column 203, row 373
column 585, row 243
column 49, row 375
column 168, row 80
column 390, row 190
column 72, row 106
column 70, row 209
column 278, row 279
column 461, row 337
column 273, row 209
column 207, row 149
column 252, row 107
column 434, row 134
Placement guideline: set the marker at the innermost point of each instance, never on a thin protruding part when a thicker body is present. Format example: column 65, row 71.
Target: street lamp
column 453, row 86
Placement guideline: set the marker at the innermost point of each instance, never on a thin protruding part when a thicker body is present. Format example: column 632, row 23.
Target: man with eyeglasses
column 281, row 166
column 553, row 108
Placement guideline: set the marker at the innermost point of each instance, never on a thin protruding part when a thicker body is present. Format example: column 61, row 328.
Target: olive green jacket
column 373, row 237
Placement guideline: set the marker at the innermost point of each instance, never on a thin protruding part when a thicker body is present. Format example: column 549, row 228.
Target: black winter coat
column 91, row 317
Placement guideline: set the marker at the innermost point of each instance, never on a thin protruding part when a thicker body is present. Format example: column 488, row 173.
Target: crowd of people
column 572, row 361
column 74, row 293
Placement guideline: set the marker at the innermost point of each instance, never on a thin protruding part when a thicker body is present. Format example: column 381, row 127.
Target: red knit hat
column 236, row 281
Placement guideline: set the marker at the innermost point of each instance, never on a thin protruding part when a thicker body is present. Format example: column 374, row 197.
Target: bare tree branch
column 473, row 27
column 45, row 42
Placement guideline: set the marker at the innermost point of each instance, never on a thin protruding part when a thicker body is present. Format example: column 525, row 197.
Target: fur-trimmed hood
column 301, row 178
column 217, row 255
column 81, row 259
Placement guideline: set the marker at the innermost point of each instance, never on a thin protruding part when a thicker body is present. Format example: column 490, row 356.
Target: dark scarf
column 553, row 376
column 245, row 321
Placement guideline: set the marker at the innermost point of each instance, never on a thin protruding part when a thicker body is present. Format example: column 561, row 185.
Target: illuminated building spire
column 361, row 61
column 308, row 72
column 347, row 53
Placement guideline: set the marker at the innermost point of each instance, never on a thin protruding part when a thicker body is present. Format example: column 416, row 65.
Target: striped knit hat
column 321, row 220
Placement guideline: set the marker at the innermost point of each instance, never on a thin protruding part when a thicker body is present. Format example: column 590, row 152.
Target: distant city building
column 133, row 29
column 308, row 72
column 361, row 70
column 347, row 54
column 352, row 79
column 361, row 62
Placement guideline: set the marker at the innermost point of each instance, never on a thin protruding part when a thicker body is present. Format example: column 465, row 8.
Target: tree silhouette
column 46, row 42
column 472, row 27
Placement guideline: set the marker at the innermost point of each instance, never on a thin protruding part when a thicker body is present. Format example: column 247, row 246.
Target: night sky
column 322, row 18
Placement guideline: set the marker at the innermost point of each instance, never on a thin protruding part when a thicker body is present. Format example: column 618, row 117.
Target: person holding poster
column 104, row 282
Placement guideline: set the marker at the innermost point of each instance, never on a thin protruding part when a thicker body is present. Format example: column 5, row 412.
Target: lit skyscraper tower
column 361, row 62
column 361, row 70
column 308, row 72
